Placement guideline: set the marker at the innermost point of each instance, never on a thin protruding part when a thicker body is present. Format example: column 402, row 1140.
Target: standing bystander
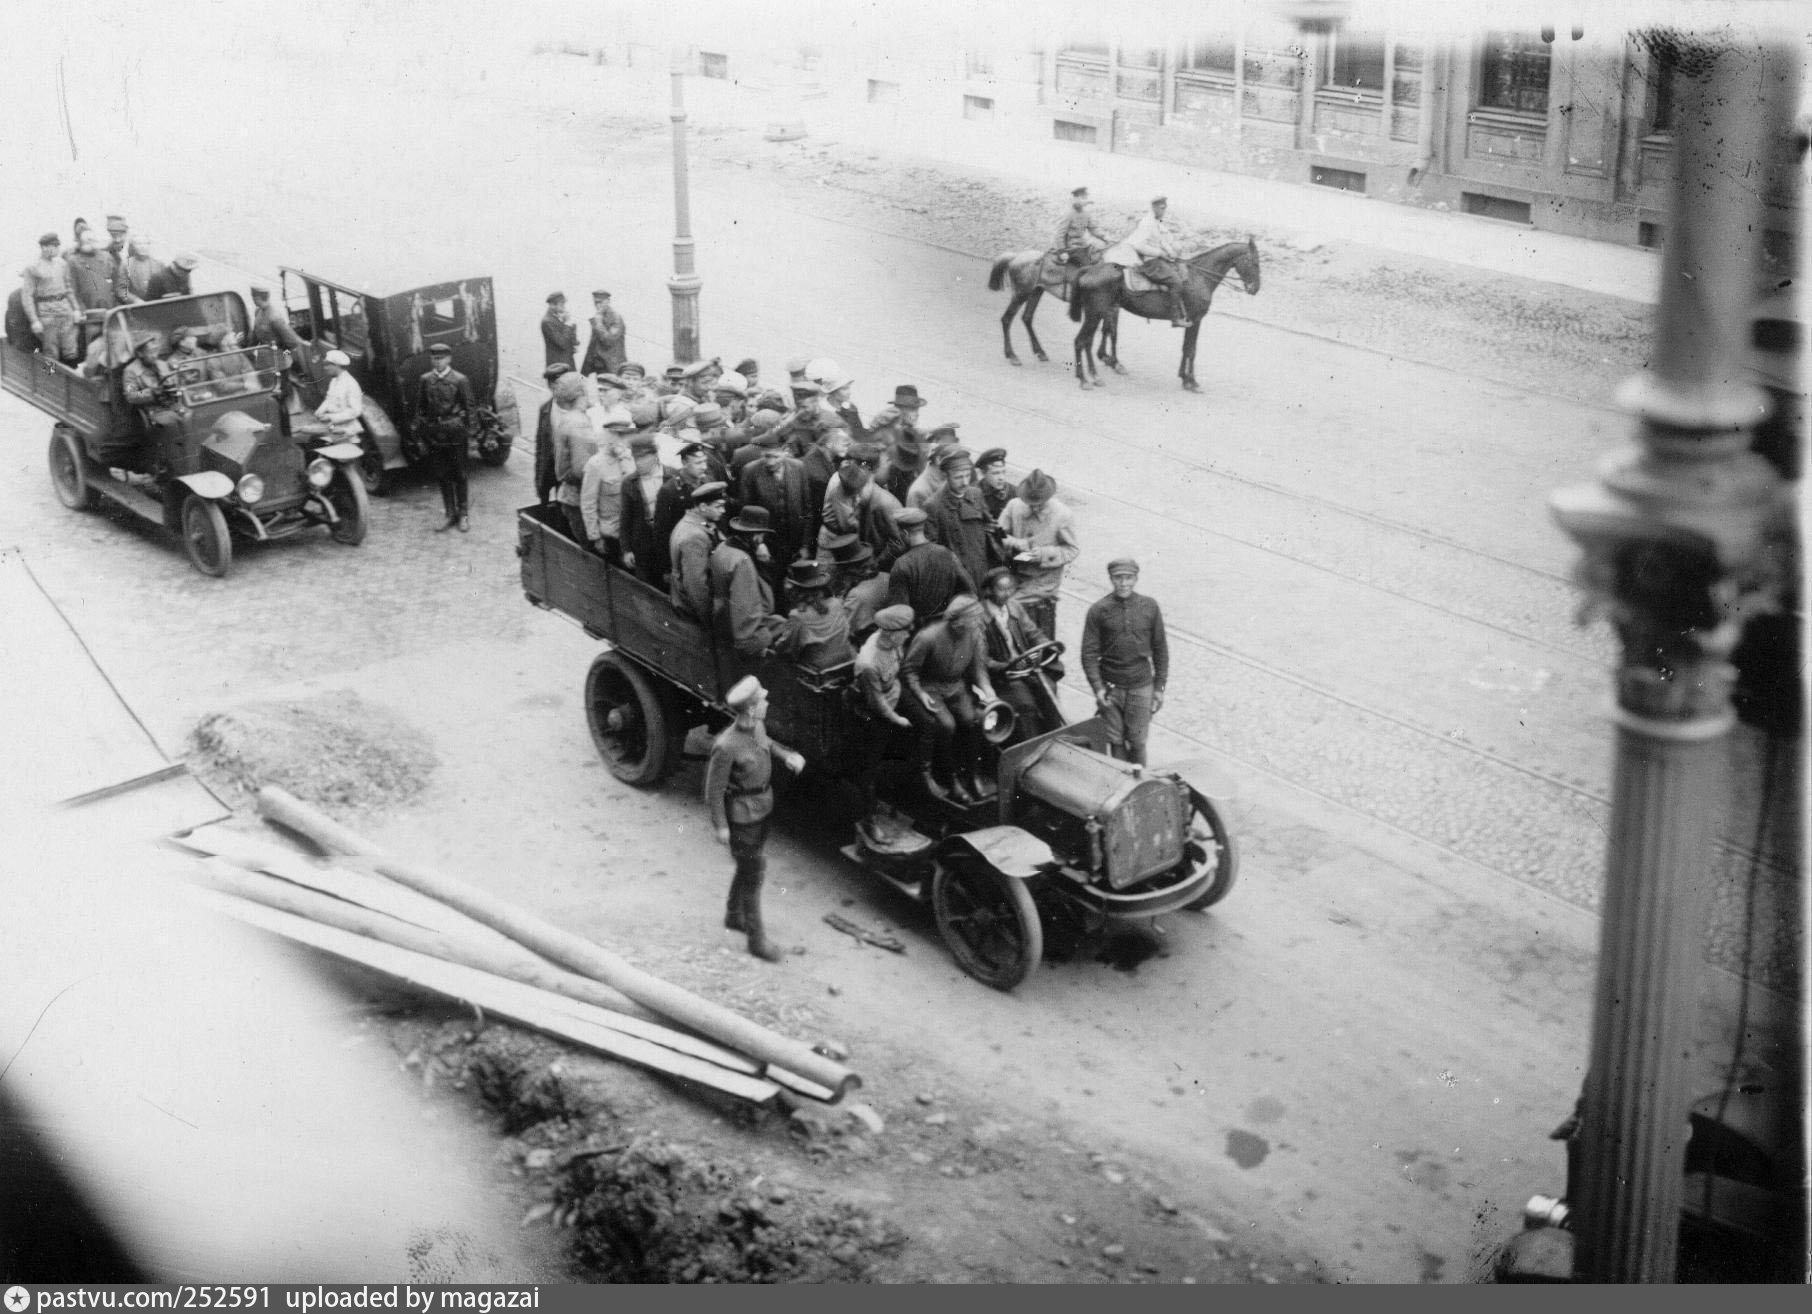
column 1126, row 660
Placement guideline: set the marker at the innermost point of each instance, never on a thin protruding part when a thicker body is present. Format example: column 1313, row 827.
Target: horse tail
column 997, row 276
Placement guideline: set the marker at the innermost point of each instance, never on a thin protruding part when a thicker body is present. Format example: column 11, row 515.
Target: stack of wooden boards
column 441, row 934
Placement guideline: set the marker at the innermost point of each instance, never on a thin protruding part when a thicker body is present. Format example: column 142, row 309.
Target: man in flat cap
column 559, row 335
column 446, row 409
column 958, row 519
column 991, row 478
column 1079, row 237
column 546, row 481
column 1126, row 659
column 173, row 280
column 641, row 495
column 689, row 552
column 776, row 482
column 931, row 480
column 739, row 791
column 601, row 486
column 1039, row 533
column 946, row 663
column 926, row 575
column 751, row 373
column 1152, row 247
column 94, row 275
column 46, row 298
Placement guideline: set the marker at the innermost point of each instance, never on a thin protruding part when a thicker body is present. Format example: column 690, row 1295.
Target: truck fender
column 1008, row 849
column 1203, row 777
column 383, row 432
column 340, row 451
column 210, row 484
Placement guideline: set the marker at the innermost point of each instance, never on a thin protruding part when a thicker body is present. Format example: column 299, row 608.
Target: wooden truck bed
column 55, row 389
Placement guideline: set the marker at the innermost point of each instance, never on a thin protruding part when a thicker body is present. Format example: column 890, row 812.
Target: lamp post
column 1679, row 542
column 684, row 283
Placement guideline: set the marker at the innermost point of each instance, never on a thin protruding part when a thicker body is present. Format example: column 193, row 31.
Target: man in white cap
column 739, row 791
column 1126, row 659
column 140, row 267
column 1152, row 247
column 345, row 400
column 601, row 485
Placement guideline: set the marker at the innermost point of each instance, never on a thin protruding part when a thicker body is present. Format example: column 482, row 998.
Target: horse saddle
column 1055, row 274
column 1137, row 282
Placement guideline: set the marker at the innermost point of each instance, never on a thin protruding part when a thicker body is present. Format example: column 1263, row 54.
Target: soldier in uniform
column 996, row 488
column 1153, row 242
column 689, row 552
column 739, row 792
column 1079, row 237
column 445, row 407
column 45, row 296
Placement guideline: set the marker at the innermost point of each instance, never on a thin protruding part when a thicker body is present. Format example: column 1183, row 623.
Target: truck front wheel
column 204, row 534
column 989, row 921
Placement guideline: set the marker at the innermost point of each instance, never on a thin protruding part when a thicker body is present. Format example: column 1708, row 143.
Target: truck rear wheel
column 989, row 921
column 1211, row 842
column 204, row 534
column 67, row 473
column 631, row 722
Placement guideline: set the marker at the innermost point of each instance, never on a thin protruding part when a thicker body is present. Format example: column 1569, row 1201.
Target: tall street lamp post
column 685, row 282
column 1680, row 540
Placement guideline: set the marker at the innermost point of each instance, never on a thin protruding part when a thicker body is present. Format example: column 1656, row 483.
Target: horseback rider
column 1079, row 238
column 1154, row 243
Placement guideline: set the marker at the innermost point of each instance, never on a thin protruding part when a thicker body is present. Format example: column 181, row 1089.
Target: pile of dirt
column 340, row 753
column 642, row 1207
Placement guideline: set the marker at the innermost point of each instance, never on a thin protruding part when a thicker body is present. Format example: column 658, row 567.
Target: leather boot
column 1179, row 313
column 927, row 773
column 733, row 918
column 759, row 944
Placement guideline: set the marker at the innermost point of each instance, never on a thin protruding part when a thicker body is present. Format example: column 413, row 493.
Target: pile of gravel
column 337, row 752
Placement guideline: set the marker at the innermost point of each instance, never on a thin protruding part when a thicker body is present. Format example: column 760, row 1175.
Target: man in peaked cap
column 1153, row 247
column 1126, row 659
column 926, row 575
column 739, row 791
column 559, row 335
column 1039, row 534
column 991, row 478
column 1079, row 237
column 689, row 552
column 605, row 352
column 174, row 279
column 777, row 483
column 958, row 519
column 447, row 410
column 46, row 298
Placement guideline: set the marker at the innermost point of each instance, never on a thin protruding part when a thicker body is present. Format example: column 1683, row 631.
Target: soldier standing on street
column 604, row 354
column 740, row 794
column 44, row 295
column 444, row 407
column 1126, row 659
column 559, row 334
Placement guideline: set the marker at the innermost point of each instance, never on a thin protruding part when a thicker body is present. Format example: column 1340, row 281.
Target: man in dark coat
column 559, row 335
column 641, row 494
column 991, row 478
column 959, row 520
column 545, row 479
column 927, row 575
column 670, row 505
column 445, row 408
column 173, row 279
column 776, row 483
column 271, row 328
column 820, row 463
column 1010, row 632
column 605, row 352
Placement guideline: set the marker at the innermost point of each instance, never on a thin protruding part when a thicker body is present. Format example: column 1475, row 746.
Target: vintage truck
column 217, row 458
column 1071, row 835
column 386, row 327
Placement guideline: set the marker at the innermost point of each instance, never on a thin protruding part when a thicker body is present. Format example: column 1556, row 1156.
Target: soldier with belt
column 739, row 792
column 1079, row 238
column 44, row 295
column 445, row 408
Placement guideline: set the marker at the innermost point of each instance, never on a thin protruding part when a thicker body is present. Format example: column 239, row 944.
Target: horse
column 1025, row 269
column 1101, row 294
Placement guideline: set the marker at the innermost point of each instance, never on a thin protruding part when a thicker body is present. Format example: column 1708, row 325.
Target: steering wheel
column 1035, row 658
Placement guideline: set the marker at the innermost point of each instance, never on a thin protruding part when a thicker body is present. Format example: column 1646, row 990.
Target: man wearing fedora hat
column 742, row 600
column 816, row 634
column 446, row 410
column 604, row 353
column 739, row 791
column 559, row 335
column 862, row 588
column 1039, row 534
column 689, row 552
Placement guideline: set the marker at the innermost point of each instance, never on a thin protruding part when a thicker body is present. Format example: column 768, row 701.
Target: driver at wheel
column 1155, row 243
column 1011, row 633
column 1079, row 238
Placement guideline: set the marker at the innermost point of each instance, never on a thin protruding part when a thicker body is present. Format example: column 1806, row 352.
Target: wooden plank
column 524, row 1004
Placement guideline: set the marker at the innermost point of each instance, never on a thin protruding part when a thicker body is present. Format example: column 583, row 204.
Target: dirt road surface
column 1348, row 1070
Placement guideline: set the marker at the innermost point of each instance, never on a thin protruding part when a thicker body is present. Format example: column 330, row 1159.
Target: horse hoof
column 1084, row 384
column 1190, row 385
column 1041, row 356
column 1013, row 360
column 1119, row 369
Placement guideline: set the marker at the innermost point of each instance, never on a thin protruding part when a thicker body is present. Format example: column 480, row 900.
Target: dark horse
column 1026, row 271
column 1100, row 294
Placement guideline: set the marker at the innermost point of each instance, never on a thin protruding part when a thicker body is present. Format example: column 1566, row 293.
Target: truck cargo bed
column 55, row 389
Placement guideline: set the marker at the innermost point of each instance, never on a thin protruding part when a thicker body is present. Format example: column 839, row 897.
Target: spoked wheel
column 349, row 500
column 629, row 721
column 1211, row 842
column 371, row 466
column 204, row 534
column 989, row 922
column 67, row 474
